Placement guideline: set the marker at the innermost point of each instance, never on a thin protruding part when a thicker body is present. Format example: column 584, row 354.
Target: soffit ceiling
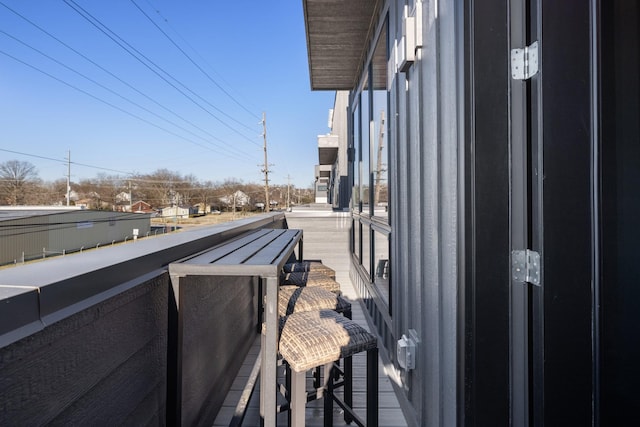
column 327, row 155
column 337, row 32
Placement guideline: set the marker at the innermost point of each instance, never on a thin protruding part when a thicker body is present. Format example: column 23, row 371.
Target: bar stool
column 296, row 299
column 310, row 279
column 318, row 292
column 309, row 266
column 319, row 338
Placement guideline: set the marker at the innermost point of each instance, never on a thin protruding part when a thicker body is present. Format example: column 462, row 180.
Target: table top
column 260, row 252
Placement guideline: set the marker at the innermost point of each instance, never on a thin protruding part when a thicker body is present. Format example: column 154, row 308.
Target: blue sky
column 115, row 115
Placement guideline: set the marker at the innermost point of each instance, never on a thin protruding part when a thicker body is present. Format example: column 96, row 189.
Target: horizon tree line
column 21, row 185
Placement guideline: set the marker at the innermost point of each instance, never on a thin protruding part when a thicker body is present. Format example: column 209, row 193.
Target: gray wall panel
column 424, row 138
column 95, row 367
column 215, row 341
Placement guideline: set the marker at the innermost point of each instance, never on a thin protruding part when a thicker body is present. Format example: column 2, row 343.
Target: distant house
column 204, row 208
column 73, row 196
column 238, row 199
column 123, row 197
column 179, row 211
column 142, row 207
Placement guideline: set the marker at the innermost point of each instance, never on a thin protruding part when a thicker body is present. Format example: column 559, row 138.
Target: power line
column 65, row 161
column 186, row 42
column 105, row 102
column 112, row 91
column 196, row 65
column 138, row 55
column 110, row 73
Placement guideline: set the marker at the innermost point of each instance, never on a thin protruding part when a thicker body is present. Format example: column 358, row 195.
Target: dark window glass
column 366, row 248
column 381, row 264
column 357, row 239
column 365, row 157
column 355, row 194
column 379, row 139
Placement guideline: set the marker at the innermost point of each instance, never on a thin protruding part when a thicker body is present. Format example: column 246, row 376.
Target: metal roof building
column 28, row 233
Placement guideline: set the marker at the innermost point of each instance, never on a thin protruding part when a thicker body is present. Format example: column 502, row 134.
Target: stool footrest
column 353, row 416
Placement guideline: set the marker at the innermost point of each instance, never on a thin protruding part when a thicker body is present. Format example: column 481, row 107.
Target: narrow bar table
column 260, row 253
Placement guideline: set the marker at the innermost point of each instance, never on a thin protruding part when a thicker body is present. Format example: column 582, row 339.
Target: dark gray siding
column 105, row 365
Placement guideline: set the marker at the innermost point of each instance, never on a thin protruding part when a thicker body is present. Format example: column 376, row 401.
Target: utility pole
column 288, row 187
column 265, row 169
column 68, row 177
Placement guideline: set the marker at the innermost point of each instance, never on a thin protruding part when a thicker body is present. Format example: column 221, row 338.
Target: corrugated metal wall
column 23, row 238
column 34, row 237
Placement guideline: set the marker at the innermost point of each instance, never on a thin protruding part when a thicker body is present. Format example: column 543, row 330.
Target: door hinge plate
column 525, row 266
column 524, row 62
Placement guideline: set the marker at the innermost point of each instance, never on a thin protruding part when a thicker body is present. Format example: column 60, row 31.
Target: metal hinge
column 525, row 266
column 524, row 62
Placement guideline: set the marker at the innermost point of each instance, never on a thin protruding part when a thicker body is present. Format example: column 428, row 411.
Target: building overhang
column 328, row 149
column 323, row 171
column 337, row 32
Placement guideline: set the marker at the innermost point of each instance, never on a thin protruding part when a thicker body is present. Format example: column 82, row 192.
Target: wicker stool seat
column 295, row 299
column 310, row 279
column 309, row 266
column 320, row 338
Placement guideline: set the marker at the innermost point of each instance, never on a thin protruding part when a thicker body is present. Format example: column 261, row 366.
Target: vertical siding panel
column 412, row 251
column 431, row 343
column 448, row 202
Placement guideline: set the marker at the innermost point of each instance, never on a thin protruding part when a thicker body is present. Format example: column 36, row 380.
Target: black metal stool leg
column 348, row 387
column 288, row 374
column 317, row 377
column 328, row 396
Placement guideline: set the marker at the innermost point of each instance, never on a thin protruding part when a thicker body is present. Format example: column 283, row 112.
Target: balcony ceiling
column 328, row 149
column 337, row 32
column 327, row 155
column 323, row 171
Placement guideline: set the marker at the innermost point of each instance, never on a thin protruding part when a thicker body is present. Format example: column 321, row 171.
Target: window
column 357, row 239
column 370, row 169
column 365, row 165
column 355, row 194
column 366, row 248
column 381, row 264
column 379, row 140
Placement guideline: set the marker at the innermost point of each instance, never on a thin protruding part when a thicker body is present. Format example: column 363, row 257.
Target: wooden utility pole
column 68, row 177
column 265, row 169
column 288, row 188
column 130, row 198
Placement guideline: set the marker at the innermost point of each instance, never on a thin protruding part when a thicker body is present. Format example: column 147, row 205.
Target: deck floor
column 326, row 239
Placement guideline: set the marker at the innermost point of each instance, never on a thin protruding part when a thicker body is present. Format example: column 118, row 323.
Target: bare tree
column 187, row 188
column 106, row 189
column 18, row 182
column 206, row 193
column 161, row 187
column 52, row 193
column 228, row 190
